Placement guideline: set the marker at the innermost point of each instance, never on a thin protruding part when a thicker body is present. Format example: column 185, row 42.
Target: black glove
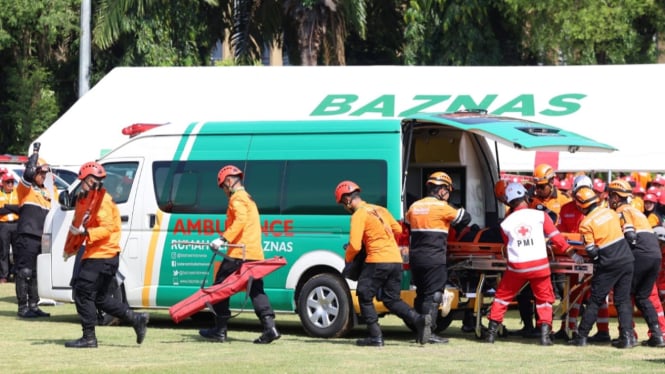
column 631, row 237
column 592, row 251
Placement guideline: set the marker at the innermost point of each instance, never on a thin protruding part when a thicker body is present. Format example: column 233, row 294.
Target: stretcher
column 234, row 283
column 473, row 265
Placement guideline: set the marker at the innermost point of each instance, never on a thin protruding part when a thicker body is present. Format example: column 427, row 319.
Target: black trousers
column 644, row 277
column 618, row 279
column 7, row 239
column 386, row 277
column 428, row 279
column 26, row 251
column 92, row 291
column 260, row 301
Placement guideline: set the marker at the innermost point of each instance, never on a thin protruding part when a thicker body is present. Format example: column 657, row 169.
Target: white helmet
column 515, row 191
column 660, row 233
column 582, row 181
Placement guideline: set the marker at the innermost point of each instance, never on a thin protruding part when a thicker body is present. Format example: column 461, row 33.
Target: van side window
column 120, row 179
column 278, row 186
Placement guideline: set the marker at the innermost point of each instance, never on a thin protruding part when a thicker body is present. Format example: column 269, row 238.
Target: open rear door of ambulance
column 515, row 133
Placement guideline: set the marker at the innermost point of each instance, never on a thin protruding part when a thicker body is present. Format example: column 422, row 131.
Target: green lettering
column 523, row 105
column 430, row 101
column 563, row 102
column 462, row 102
column 384, row 105
column 334, row 104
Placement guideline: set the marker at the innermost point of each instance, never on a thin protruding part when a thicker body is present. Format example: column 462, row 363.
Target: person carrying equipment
column 613, row 266
column 373, row 228
column 645, row 247
column 242, row 226
column 525, row 231
column 101, row 231
column 430, row 219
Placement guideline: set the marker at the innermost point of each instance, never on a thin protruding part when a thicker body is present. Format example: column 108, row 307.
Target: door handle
column 152, row 220
column 124, row 219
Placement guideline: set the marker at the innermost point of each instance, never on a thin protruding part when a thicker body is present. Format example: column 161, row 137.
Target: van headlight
column 46, row 243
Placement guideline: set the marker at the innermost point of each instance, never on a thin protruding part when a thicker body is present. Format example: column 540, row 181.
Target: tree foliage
column 39, row 43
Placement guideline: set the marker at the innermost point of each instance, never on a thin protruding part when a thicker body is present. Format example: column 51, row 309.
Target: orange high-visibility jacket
column 104, row 230
column 243, row 226
column 368, row 228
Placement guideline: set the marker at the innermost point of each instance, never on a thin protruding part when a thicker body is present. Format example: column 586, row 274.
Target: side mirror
column 64, row 199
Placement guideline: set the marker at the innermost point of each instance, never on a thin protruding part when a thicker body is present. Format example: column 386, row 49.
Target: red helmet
column 500, row 189
column 651, row 197
column 92, row 168
column 660, row 180
column 344, row 188
column 565, row 184
column 631, row 181
column 639, row 190
column 227, row 171
column 653, row 190
column 3, row 171
column 661, row 199
column 599, row 185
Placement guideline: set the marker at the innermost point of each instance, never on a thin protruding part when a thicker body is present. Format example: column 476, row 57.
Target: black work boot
column 140, row 323
column 423, row 325
column 270, row 332
column 375, row 338
column 626, row 340
column 21, row 285
column 545, row 331
column 656, row 338
column 88, row 340
column 217, row 333
column 578, row 340
column 34, row 308
column 492, row 330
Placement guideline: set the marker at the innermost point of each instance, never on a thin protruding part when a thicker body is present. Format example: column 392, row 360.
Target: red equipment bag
column 233, row 284
column 86, row 206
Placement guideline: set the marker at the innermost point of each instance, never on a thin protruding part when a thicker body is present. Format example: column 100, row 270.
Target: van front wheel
column 324, row 307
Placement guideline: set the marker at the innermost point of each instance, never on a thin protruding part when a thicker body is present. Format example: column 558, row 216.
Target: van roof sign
column 514, row 132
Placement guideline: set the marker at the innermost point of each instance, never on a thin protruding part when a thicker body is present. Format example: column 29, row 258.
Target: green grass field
column 30, row 346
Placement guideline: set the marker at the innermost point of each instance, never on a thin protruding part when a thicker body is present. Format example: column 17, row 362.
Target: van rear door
column 456, row 143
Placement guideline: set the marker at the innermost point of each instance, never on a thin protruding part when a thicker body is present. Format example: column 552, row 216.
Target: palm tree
column 324, row 24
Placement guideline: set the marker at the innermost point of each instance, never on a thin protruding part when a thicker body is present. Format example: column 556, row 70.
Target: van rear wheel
column 324, row 307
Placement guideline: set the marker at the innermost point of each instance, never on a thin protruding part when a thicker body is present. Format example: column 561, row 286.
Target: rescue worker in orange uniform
column 430, row 219
column 600, row 188
column 638, row 198
column 650, row 203
column 242, row 226
column 547, row 197
column 373, row 228
column 8, row 219
column 646, row 250
column 570, row 219
column 99, row 264
column 524, row 231
column 34, row 203
column 613, row 266
column 660, row 282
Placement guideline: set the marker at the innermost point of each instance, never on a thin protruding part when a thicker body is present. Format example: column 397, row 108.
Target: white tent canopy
column 611, row 104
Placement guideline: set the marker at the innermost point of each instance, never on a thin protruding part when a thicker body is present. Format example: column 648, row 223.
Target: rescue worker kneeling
column 373, row 228
column 524, row 232
column 99, row 264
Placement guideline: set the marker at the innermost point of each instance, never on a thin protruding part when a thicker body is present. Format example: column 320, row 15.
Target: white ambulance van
column 164, row 182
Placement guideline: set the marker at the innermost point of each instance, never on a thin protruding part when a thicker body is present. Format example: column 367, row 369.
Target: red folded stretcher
column 233, row 284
